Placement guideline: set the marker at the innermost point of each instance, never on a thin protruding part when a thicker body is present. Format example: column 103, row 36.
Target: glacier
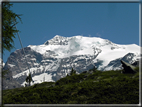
column 79, row 45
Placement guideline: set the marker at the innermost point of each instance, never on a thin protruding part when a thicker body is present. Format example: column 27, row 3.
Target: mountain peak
column 57, row 40
column 57, row 36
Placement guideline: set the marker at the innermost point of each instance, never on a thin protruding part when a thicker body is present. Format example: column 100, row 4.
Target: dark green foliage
column 110, row 87
column 70, row 79
column 93, row 69
column 8, row 26
column 29, row 79
column 128, row 68
column 137, row 69
column 72, row 72
column 44, row 84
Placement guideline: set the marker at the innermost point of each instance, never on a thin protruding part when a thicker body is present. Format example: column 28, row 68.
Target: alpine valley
column 56, row 57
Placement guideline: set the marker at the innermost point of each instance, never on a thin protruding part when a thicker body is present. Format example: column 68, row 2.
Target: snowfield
column 80, row 45
column 57, row 48
column 40, row 78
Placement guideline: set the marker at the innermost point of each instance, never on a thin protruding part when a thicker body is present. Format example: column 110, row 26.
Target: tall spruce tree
column 72, row 71
column 29, row 79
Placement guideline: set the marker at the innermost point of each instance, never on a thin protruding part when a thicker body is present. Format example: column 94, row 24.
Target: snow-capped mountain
column 55, row 58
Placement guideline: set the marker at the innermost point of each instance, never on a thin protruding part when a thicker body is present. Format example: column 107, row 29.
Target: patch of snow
column 36, row 64
column 11, row 65
column 33, row 59
column 2, row 63
column 44, row 77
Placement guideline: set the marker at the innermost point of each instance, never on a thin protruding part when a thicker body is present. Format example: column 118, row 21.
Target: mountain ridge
column 55, row 58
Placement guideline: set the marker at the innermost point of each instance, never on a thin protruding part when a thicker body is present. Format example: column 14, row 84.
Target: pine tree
column 72, row 72
column 29, row 79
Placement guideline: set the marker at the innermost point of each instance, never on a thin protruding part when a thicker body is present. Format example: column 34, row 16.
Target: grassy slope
column 109, row 87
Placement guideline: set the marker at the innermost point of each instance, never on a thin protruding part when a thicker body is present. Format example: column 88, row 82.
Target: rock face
column 128, row 58
column 56, row 57
column 16, row 64
column 128, row 68
column 8, row 82
column 57, row 67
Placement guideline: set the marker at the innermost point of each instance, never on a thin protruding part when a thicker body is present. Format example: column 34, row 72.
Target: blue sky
column 117, row 22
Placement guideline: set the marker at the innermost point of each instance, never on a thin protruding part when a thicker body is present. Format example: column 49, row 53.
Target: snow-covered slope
column 79, row 45
column 55, row 58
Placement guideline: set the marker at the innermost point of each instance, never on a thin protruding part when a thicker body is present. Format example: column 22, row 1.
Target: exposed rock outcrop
column 128, row 68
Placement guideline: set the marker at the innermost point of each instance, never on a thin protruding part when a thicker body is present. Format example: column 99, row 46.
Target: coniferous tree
column 29, row 79
column 8, row 26
column 72, row 72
